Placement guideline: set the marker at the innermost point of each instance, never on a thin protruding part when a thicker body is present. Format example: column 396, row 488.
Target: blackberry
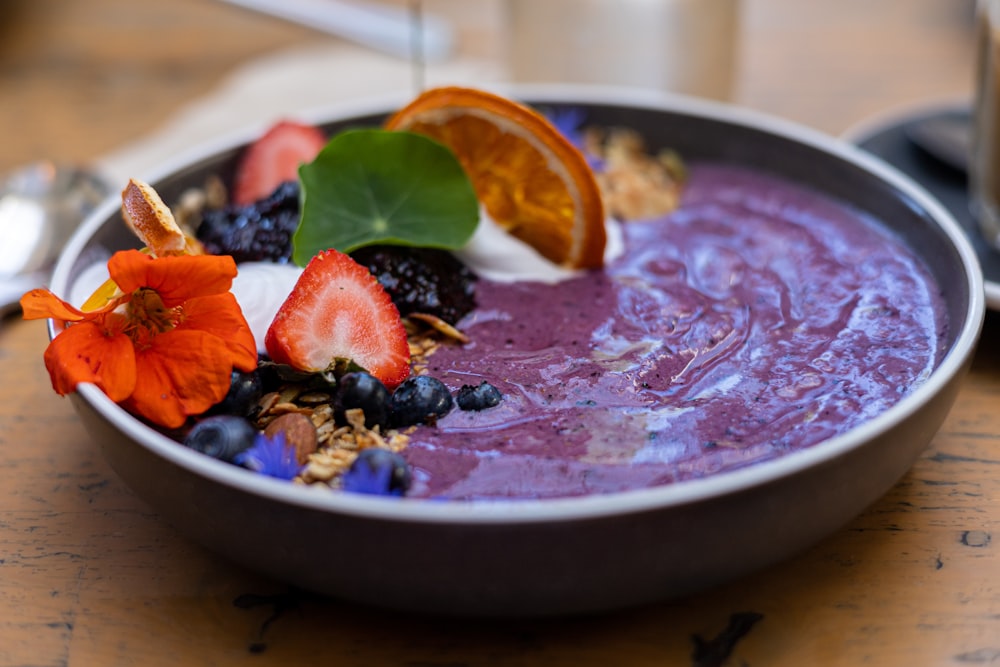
column 421, row 280
column 261, row 231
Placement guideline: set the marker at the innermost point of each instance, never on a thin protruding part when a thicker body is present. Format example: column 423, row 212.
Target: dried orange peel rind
column 532, row 181
column 152, row 221
column 154, row 224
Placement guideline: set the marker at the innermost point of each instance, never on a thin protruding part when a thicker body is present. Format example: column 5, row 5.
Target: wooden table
column 90, row 576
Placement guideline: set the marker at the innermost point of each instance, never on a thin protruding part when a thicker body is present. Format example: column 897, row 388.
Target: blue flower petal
column 365, row 479
column 271, row 457
column 569, row 121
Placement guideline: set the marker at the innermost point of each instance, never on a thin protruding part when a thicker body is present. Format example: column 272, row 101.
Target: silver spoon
column 41, row 206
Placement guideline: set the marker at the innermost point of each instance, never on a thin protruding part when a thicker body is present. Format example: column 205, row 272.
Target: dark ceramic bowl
column 543, row 557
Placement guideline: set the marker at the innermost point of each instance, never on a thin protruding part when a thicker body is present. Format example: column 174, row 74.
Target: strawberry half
column 274, row 159
column 338, row 310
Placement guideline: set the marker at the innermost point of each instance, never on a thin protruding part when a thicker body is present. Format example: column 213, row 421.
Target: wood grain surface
column 90, row 576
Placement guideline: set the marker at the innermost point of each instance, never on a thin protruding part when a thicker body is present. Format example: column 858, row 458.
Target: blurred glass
column 683, row 46
column 984, row 161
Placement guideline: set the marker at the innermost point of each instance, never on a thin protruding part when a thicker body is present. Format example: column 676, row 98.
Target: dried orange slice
column 532, row 181
column 151, row 220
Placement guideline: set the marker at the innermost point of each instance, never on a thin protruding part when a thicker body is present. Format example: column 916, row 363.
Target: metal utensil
column 380, row 26
column 41, row 206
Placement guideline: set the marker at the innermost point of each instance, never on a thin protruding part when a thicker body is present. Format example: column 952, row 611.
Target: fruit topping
column 421, row 280
column 274, row 159
column 360, row 390
column 245, row 391
column 478, row 397
column 378, row 471
column 420, row 400
column 222, row 437
column 258, row 231
column 337, row 312
column 533, row 182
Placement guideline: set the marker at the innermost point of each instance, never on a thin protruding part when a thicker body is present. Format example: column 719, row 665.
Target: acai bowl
column 486, row 554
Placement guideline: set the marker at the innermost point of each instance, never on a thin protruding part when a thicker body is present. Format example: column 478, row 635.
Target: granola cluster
column 335, row 447
column 635, row 184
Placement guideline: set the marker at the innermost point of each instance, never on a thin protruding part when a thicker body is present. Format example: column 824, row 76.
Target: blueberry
column 479, row 397
column 420, row 399
column 221, row 437
column 378, row 471
column 245, row 391
column 365, row 391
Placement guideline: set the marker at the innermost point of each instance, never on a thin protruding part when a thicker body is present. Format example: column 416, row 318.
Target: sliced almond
column 439, row 325
column 299, row 433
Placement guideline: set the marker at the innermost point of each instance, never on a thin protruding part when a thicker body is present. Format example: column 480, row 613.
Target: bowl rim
column 512, row 511
column 900, row 114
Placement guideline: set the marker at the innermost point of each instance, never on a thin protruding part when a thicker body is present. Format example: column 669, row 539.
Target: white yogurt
column 260, row 289
column 496, row 255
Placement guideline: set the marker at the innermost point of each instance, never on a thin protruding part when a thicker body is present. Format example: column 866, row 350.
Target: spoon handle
column 379, row 26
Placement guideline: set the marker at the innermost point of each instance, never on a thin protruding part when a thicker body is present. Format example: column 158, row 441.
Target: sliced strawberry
column 337, row 310
column 274, row 159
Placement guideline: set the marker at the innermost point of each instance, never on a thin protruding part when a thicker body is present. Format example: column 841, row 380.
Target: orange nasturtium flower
column 164, row 347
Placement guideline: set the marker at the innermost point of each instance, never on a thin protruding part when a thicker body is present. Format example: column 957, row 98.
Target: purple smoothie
column 758, row 319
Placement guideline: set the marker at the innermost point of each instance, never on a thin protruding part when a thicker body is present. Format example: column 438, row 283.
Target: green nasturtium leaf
column 383, row 187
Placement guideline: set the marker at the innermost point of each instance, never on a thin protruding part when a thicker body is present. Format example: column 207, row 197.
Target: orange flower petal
column 41, row 303
column 175, row 279
column 164, row 377
column 90, row 352
column 220, row 315
column 181, row 373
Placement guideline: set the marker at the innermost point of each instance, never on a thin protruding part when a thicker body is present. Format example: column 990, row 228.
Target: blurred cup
column 682, row 46
column 984, row 160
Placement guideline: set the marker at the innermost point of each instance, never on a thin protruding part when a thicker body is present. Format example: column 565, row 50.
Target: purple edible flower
column 569, row 121
column 271, row 457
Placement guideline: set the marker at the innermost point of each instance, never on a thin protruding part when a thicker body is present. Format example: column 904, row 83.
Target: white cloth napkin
column 290, row 84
